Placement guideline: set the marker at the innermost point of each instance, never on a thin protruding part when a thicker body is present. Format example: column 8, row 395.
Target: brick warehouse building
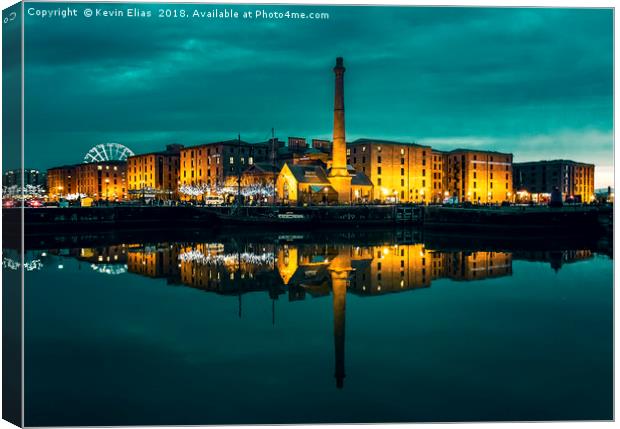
column 573, row 179
column 479, row 176
column 105, row 180
column 215, row 164
column 155, row 174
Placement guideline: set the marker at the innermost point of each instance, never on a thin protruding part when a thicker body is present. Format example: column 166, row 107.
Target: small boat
column 291, row 215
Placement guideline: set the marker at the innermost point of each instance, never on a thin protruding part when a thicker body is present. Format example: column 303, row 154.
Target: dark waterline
column 298, row 328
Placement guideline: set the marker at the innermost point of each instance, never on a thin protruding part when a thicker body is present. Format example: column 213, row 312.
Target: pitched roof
column 266, row 167
column 379, row 141
column 551, row 161
column 461, row 149
column 360, row 179
column 309, row 174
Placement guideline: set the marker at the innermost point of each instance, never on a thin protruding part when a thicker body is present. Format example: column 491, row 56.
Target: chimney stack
column 339, row 175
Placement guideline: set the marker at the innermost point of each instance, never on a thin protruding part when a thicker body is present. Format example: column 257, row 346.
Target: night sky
column 534, row 82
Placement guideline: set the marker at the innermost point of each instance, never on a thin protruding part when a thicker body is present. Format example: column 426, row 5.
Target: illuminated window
column 232, row 160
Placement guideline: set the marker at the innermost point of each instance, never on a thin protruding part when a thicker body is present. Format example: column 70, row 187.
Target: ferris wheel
column 107, row 152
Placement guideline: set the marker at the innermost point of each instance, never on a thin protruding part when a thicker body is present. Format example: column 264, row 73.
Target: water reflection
column 297, row 268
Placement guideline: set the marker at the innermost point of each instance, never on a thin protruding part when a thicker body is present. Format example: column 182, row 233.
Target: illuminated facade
column 105, row 180
column 154, row 175
column 400, row 172
column 61, row 181
column 438, row 177
column 572, row 179
column 212, row 164
column 479, row 176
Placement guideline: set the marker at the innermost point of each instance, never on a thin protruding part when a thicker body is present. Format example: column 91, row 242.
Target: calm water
column 291, row 328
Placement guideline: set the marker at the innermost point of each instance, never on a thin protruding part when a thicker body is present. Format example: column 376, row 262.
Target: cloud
column 504, row 78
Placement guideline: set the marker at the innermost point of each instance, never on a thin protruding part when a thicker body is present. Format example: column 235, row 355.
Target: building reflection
column 300, row 269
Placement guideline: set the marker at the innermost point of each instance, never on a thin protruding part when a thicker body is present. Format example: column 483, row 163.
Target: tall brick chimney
column 339, row 176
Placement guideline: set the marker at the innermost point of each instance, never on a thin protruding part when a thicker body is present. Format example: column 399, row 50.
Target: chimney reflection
column 301, row 269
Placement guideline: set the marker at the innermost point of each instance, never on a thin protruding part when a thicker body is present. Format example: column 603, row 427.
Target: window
column 402, row 171
column 402, row 161
column 402, row 182
column 378, row 148
column 378, row 170
column 379, row 159
column 402, row 151
column 232, row 160
column 423, row 172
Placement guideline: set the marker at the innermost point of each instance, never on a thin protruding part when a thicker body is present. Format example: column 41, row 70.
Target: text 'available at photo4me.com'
column 180, row 11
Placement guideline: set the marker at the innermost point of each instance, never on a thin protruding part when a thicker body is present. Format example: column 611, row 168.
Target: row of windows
column 402, row 171
column 217, row 172
column 231, row 151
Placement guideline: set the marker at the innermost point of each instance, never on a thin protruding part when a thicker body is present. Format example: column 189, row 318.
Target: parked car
column 34, row 203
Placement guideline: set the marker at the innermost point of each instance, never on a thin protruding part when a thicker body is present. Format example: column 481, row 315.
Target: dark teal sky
column 534, row 82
